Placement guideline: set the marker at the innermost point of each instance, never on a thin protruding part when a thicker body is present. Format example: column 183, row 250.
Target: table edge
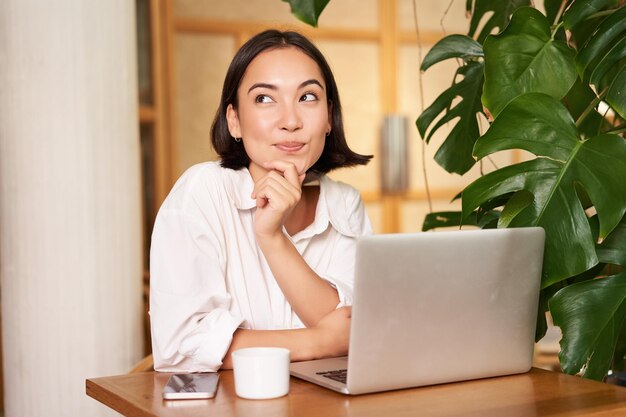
column 113, row 401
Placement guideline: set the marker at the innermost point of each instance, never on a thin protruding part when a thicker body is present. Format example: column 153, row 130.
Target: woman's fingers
column 280, row 183
column 275, row 193
column 288, row 171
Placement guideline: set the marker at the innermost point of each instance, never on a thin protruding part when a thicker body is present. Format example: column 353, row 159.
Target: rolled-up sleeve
column 351, row 222
column 340, row 272
column 192, row 327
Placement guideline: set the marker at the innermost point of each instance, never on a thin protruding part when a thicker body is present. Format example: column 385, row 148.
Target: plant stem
column 445, row 14
column 421, row 91
column 559, row 13
column 556, row 29
column 590, row 107
column 618, row 130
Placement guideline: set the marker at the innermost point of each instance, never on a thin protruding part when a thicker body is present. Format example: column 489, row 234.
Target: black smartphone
column 191, row 386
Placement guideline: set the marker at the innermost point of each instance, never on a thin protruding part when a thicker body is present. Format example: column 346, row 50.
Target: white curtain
column 70, row 206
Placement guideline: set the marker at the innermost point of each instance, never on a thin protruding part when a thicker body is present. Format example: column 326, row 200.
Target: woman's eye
column 308, row 97
column 263, row 99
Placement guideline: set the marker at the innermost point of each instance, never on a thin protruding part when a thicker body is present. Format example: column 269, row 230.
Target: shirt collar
column 241, row 189
column 331, row 208
column 336, row 206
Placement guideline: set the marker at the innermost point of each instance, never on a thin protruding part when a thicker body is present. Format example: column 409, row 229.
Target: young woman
column 258, row 249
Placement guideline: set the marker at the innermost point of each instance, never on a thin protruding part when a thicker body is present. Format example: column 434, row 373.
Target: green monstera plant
column 552, row 83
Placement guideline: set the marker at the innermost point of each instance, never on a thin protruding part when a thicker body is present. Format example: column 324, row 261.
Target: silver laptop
column 437, row 307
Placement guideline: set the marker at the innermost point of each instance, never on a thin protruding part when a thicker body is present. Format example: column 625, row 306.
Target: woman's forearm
column 298, row 341
column 330, row 337
column 310, row 296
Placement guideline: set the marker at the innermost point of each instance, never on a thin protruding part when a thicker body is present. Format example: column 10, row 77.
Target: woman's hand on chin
column 276, row 195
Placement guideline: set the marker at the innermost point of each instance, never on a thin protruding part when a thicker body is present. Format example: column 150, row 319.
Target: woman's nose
column 290, row 118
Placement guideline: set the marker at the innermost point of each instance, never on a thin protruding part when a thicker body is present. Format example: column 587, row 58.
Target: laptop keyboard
column 340, row 375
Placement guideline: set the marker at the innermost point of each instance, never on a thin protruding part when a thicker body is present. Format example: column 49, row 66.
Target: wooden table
column 537, row 393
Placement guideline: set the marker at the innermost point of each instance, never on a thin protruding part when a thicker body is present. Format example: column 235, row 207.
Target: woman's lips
column 289, row 147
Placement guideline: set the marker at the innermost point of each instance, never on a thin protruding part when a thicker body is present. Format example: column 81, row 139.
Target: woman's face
column 283, row 112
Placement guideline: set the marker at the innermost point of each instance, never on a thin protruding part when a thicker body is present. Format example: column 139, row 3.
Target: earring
column 237, row 140
column 328, row 133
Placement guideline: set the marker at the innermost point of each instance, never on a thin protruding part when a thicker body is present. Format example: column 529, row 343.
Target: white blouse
column 208, row 276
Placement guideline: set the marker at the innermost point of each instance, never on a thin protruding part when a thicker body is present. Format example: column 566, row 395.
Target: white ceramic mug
column 261, row 372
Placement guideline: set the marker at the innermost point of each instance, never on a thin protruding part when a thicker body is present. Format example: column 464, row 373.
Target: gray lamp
column 394, row 154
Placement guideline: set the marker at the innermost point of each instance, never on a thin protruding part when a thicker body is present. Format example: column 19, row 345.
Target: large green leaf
column 524, row 58
column 608, row 62
column 591, row 314
column 456, row 219
column 500, row 14
column 455, row 154
column 619, row 357
column 609, row 32
column 540, row 124
column 581, row 10
column 452, row 46
column 307, row 11
column 569, row 249
column 514, row 206
column 616, row 96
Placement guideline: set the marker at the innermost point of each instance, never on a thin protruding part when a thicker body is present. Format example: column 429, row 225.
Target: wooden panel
column 146, row 114
column 432, row 16
column 160, row 74
column 363, row 13
column 201, row 63
column 359, row 92
column 204, row 26
column 375, row 212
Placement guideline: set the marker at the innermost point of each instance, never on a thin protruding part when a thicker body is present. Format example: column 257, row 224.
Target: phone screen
column 189, row 386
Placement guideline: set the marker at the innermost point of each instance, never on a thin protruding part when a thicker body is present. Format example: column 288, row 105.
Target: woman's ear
column 233, row 121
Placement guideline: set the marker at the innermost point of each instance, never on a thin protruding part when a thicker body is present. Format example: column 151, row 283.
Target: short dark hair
column 336, row 153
